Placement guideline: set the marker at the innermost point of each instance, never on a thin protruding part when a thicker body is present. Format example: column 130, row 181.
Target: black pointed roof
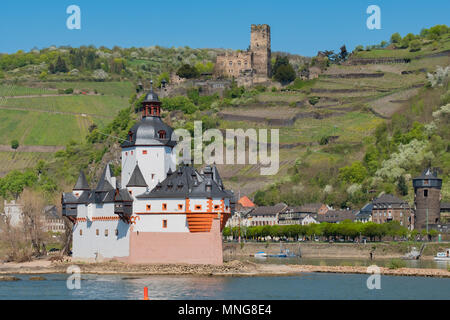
column 137, row 178
column 103, row 184
column 82, row 183
column 187, row 182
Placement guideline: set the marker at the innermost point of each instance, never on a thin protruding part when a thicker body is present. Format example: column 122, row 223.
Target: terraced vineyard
column 351, row 101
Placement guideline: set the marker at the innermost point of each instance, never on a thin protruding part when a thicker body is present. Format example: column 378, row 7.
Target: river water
column 303, row 287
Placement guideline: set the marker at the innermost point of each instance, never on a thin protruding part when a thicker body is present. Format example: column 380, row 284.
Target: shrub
column 314, row 100
column 415, row 45
column 396, row 264
column 15, row 144
column 68, row 91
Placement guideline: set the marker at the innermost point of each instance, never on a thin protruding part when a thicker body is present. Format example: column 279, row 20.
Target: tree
column 343, row 55
column 186, row 71
column 356, row 173
column 61, row 65
column 33, row 220
column 401, row 186
column 396, row 38
column 285, row 74
column 14, row 144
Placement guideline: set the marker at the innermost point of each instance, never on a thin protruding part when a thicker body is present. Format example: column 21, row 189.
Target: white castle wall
column 154, row 163
column 89, row 245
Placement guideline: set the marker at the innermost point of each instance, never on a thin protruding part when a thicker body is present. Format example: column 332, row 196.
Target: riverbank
column 230, row 269
column 384, row 250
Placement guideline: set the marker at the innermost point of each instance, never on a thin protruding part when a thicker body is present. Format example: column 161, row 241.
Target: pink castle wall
column 188, row 248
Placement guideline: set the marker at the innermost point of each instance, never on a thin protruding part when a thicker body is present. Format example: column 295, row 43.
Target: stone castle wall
column 233, row 64
column 251, row 66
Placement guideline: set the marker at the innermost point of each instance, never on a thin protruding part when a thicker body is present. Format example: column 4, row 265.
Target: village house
column 337, row 216
column 240, row 218
column 302, row 215
column 388, row 208
column 262, row 216
column 365, row 214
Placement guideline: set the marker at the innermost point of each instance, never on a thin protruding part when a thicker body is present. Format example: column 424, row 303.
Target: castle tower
column 260, row 47
column 149, row 144
column 427, row 199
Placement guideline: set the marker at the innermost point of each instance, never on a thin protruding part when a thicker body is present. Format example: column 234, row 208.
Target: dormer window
column 130, row 136
column 162, row 134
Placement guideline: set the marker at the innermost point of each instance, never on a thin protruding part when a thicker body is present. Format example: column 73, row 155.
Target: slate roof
column 51, row 212
column 334, row 216
column 307, row 208
column 137, row 178
column 82, row 183
column 269, row 210
column 146, row 132
column 387, row 200
column 103, row 184
column 187, row 182
column 103, row 193
column 428, row 174
column 367, row 209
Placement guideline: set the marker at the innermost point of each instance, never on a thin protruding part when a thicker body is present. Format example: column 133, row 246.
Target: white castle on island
column 164, row 214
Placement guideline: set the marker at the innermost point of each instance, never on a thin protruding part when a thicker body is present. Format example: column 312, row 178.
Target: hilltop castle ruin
column 250, row 66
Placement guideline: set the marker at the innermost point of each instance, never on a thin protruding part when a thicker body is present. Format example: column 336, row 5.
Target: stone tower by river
column 427, row 199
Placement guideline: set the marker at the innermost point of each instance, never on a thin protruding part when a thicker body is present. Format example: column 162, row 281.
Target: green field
column 41, row 128
column 99, row 105
column 20, row 160
column 9, row 90
column 121, row 89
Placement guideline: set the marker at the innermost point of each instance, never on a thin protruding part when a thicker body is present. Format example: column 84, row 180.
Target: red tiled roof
column 246, row 202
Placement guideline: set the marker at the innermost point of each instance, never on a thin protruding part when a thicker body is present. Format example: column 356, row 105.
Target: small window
column 97, row 232
column 131, row 192
column 180, row 207
column 153, row 176
column 106, row 232
column 117, row 232
column 165, row 224
column 131, row 152
column 216, row 207
column 144, row 151
column 198, row 207
column 425, row 182
column 148, row 207
column 164, row 206
column 425, row 193
column 162, row 134
column 81, row 232
column 77, row 194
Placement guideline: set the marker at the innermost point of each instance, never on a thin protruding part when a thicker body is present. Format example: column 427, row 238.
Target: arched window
column 162, row 134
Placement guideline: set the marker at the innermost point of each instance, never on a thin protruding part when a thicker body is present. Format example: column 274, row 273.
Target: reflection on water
column 430, row 264
column 304, row 287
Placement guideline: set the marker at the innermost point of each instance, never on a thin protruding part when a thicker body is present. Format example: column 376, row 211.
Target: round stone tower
column 427, row 199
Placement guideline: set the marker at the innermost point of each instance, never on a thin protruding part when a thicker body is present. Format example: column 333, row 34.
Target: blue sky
column 298, row 26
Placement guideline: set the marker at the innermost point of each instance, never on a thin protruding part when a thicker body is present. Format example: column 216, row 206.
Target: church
column 156, row 212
